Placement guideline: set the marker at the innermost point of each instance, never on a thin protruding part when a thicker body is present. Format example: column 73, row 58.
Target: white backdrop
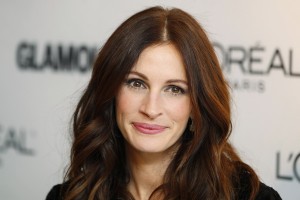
column 46, row 47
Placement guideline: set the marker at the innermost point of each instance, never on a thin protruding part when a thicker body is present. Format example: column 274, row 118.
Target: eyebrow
column 177, row 81
column 168, row 81
column 139, row 74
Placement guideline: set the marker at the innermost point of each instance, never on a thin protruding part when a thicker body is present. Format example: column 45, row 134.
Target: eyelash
column 180, row 91
column 130, row 83
column 169, row 89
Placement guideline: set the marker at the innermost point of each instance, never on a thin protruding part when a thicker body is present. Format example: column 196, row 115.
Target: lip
column 149, row 129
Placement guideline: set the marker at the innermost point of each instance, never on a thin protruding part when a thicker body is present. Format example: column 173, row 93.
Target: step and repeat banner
column 47, row 49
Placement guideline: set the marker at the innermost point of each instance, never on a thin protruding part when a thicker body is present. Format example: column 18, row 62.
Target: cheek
column 180, row 110
column 121, row 104
column 126, row 103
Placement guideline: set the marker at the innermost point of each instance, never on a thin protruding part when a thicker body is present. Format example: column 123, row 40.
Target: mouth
column 149, row 129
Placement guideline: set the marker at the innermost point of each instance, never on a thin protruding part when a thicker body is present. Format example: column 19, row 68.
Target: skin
column 152, row 110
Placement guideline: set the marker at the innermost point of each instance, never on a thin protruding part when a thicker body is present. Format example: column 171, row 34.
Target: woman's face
column 153, row 104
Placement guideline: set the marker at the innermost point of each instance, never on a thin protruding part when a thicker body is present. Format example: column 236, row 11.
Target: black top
column 242, row 188
column 265, row 193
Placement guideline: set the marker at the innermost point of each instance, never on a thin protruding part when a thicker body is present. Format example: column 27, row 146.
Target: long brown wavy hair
column 205, row 166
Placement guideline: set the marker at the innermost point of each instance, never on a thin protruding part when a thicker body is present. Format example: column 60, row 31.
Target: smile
column 148, row 129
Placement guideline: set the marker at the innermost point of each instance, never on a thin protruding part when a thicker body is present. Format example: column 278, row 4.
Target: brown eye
column 135, row 83
column 175, row 90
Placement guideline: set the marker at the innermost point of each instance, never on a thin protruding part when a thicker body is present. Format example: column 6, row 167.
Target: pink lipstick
column 149, row 129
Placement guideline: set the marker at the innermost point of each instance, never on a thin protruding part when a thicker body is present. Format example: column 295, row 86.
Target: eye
column 135, row 84
column 175, row 90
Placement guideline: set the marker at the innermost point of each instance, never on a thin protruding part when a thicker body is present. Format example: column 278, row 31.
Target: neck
column 147, row 172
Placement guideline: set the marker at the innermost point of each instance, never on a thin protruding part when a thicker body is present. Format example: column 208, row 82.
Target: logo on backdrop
column 59, row 58
column 288, row 166
column 18, row 140
column 254, row 63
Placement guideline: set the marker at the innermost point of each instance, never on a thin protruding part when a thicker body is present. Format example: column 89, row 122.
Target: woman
column 154, row 120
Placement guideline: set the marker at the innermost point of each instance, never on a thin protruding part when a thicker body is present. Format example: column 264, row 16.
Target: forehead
column 164, row 60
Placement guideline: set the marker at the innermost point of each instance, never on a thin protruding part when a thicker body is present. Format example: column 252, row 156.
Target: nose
column 151, row 105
